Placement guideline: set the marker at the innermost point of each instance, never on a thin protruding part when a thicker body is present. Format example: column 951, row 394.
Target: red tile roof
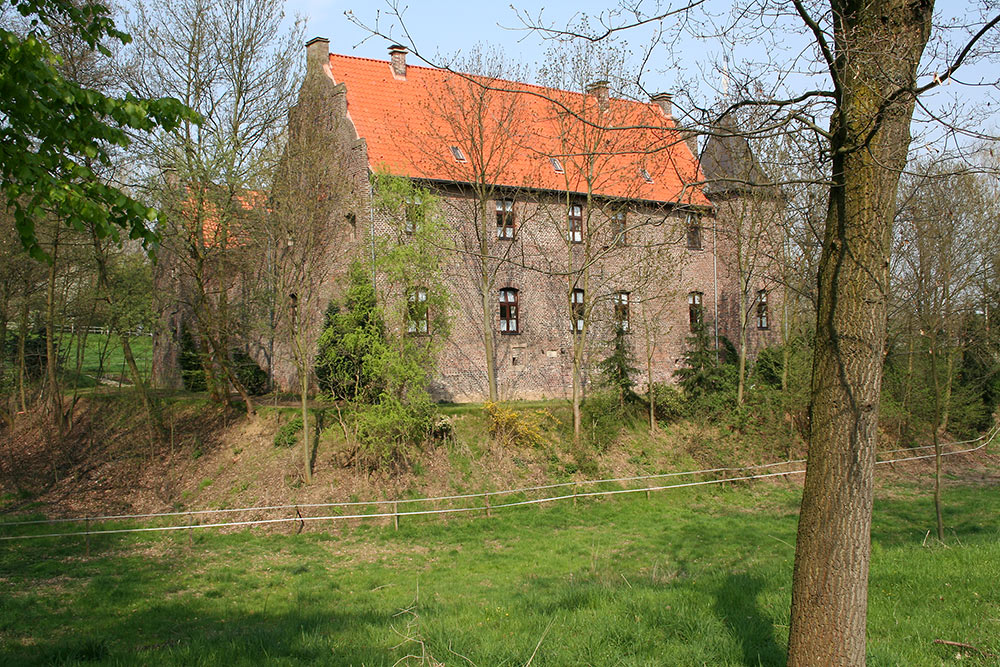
column 410, row 124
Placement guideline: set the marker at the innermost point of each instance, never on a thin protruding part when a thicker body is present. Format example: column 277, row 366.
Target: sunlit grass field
column 688, row 577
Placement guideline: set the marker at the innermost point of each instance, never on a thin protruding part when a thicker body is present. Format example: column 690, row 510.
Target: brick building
column 569, row 215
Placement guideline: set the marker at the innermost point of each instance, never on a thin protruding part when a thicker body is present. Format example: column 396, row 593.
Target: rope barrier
column 987, row 438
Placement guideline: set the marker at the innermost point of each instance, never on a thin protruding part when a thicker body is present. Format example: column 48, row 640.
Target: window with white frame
column 762, row 310
column 578, row 310
column 416, row 311
column 618, row 229
column 621, row 303
column 695, row 310
column 505, row 219
column 575, row 216
column 508, row 311
column 412, row 214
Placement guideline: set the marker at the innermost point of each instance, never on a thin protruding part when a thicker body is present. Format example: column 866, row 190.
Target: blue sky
column 441, row 28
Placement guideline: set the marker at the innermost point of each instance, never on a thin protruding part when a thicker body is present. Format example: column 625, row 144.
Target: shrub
column 511, row 428
column 604, row 417
column 288, row 434
column 390, row 432
column 668, row 402
column 251, row 376
column 189, row 359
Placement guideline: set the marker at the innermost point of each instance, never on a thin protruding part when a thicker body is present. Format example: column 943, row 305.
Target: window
column 416, row 311
column 457, row 153
column 694, row 232
column 413, row 214
column 576, row 223
column 695, row 311
column 761, row 309
column 577, row 310
column 618, row 229
column 556, row 165
column 621, row 301
column 505, row 219
column 508, row 311
column 645, row 176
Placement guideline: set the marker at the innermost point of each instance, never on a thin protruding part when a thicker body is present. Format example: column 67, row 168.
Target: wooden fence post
column 395, row 515
column 487, row 496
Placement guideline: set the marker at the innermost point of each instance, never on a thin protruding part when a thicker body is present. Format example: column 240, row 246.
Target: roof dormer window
column 457, row 153
column 645, row 175
column 557, row 165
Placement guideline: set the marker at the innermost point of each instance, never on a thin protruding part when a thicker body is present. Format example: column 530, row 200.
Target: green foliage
column 618, row 367
column 669, row 405
column 707, row 380
column 190, row 361
column 253, row 378
column 288, row 434
column 390, row 431
column 605, row 417
column 354, row 337
column 55, row 130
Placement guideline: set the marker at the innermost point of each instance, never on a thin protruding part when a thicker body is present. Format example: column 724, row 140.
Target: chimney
column 397, row 53
column 599, row 89
column 666, row 102
column 317, row 54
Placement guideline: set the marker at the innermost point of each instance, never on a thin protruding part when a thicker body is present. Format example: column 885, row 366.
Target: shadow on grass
column 736, row 605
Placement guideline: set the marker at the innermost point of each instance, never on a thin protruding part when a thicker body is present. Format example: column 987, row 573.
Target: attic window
column 457, row 154
column 645, row 176
column 557, row 165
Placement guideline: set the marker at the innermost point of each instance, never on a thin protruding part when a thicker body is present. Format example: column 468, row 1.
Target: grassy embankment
column 689, row 577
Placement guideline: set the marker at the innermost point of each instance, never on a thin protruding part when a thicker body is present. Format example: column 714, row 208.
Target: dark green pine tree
column 618, row 367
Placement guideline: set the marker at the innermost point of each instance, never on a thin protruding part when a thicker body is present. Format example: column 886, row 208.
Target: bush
column 251, row 376
column 604, row 418
column 288, row 434
column 668, row 402
column 192, row 371
column 511, row 428
column 390, row 432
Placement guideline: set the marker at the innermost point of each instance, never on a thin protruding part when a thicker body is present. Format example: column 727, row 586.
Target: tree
column 304, row 225
column 870, row 51
column 235, row 65
column 480, row 114
column 55, row 130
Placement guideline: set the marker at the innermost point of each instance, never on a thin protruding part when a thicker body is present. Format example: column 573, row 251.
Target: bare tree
column 234, row 65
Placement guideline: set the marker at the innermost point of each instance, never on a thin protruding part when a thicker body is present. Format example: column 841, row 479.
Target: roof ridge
column 493, row 78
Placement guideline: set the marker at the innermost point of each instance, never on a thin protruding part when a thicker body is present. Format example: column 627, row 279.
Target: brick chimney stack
column 666, row 102
column 397, row 53
column 317, row 55
column 599, row 89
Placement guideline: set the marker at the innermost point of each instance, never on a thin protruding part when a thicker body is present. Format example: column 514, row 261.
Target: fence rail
column 744, row 474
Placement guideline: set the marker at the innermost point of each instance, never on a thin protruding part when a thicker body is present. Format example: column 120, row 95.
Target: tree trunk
column 21, row 361
column 486, row 285
column 306, row 451
column 936, row 437
column 878, row 44
column 743, row 350
column 51, row 352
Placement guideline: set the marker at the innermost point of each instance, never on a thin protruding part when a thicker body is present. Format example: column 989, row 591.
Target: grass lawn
column 114, row 360
column 690, row 577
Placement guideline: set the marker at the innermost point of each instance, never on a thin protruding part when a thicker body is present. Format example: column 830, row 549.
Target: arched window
column 695, row 311
column 508, row 311
column 416, row 311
